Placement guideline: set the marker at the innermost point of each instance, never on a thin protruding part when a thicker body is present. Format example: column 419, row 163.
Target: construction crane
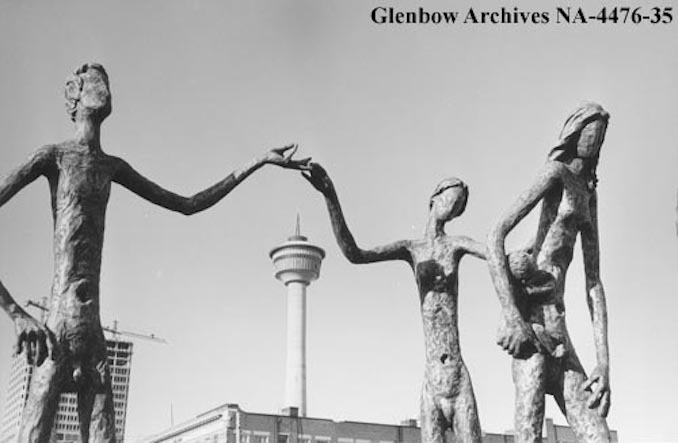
column 112, row 330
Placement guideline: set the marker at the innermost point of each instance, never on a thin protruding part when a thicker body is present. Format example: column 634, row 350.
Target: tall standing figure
column 447, row 399
column 566, row 186
column 80, row 174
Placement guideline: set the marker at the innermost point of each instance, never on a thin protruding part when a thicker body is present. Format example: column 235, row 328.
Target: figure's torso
column 565, row 213
column 435, row 268
column 80, row 183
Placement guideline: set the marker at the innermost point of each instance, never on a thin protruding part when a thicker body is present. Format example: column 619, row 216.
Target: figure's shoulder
column 554, row 168
column 458, row 241
column 413, row 245
column 462, row 243
column 116, row 162
column 553, row 171
column 46, row 153
column 55, row 150
column 415, row 248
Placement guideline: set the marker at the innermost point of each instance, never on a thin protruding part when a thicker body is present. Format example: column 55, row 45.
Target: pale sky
column 201, row 87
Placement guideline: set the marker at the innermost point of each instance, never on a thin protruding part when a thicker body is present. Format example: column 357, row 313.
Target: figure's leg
column 42, row 403
column 587, row 425
column 466, row 423
column 85, row 405
column 102, row 426
column 433, row 424
column 529, row 377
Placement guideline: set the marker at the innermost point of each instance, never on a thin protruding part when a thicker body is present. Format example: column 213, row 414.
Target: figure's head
column 448, row 199
column 88, row 92
column 583, row 134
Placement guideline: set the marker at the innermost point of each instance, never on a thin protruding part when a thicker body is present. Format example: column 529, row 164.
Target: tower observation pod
column 297, row 264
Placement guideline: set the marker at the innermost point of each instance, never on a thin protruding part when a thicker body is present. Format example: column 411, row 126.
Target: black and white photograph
column 338, row 221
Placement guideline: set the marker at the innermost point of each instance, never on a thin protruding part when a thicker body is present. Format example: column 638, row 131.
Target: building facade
column 230, row 424
column 66, row 424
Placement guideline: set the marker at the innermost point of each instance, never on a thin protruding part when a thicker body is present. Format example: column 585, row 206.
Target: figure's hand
column 283, row 158
column 317, row 176
column 518, row 339
column 38, row 341
column 599, row 386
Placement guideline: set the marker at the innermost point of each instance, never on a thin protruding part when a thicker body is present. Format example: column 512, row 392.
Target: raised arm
column 399, row 250
column 518, row 336
column 145, row 188
column 595, row 296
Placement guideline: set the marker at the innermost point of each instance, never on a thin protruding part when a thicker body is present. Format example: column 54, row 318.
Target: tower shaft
column 295, row 371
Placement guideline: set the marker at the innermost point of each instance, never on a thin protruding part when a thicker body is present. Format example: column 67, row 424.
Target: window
column 283, row 438
column 259, row 437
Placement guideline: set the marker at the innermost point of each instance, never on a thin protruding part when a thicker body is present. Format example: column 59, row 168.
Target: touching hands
column 283, row 158
column 38, row 341
column 598, row 384
column 317, row 176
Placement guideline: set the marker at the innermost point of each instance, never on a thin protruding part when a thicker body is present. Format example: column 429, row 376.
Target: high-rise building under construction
column 66, row 423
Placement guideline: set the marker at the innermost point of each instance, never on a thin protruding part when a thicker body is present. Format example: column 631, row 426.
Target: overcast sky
column 201, row 87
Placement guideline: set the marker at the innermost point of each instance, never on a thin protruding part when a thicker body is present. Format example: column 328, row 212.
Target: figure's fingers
column 502, row 340
column 591, row 380
column 604, row 405
column 288, row 155
column 307, row 176
column 304, row 161
column 282, row 150
column 19, row 346
column 538, row 345
column 30, row 351
column 595, row 397
column 513, row 348
column 32, row 345
column 297, row 164
column 593, row 401
column 41, row 348
column 51, row 343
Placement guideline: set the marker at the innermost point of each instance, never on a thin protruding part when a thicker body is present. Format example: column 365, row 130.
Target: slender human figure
column 447, row 399
column 566, row 187
column 80, row 174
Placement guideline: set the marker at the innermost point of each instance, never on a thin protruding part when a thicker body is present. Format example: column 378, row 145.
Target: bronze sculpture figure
column 80, row 174
column 447, row 399
column 534, row 333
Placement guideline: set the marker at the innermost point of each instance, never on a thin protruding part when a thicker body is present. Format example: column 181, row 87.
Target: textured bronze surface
column 447, row 399
column 70, row 349
column 534, row 330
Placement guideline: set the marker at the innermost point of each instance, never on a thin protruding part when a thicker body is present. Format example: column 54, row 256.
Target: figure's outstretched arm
column 595, row 297
column 36, row 338
column 399, row 250
column 25, row 174
column 140, row 185
column 519, row 336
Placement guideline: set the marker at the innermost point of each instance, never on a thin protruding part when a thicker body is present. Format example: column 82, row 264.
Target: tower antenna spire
column 297, row 231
